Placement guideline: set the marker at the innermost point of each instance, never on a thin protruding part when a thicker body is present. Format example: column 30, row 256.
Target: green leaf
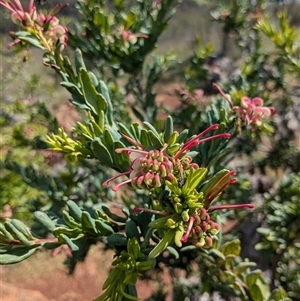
column 217, row 253
column 214, row 180
column 72, row 244
column 79, row 62
column 72, row 233
column 88, row 223
column 231, row 248
column 101, row 152
column 131, row 229
column 17, row 234
column 279, row 294
column 17, row 254
column 252, row 277
column 130, row 19
column 155, row 140
column 182, row 136
column 193, row 180
column 168, row 131
column 29, row 39
column 117, row 239
column 243, row 266
column 74, row 210
column 256, row 293
column 173, row 252
column 109, row 108
column 93, row 99
column 163, row 243
column 45, row 220
column 104, row 229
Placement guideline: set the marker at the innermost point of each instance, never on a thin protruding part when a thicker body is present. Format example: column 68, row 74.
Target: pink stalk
column 10, row 6
column 196, row 141
column 220, row 207
column 211, row 128
column 231, row 181
column 130, row 150
column 60, row 7
column 19, row 5
column 223, row 94
column 132, row 140
column 185, row 237
column 208, row 197
column 31, row 6
column 16, row 41
column 116, row 187
column 115, row 177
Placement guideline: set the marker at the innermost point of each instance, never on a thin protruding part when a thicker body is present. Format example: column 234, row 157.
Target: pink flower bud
column 208, row 241
column 17, row 17
column 162, row 170
column 204, row 226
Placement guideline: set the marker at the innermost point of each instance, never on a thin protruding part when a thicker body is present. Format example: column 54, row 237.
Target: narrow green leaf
column 92, row 98
column 17, row 234
column 182, row 136
column 79, row 62
column 131, row 229
column 74, row 210
column 117, row 239
column 217, row 253
column 104, row 229
column 109, row 107
column 168, row 131
column 155, row 140
column 88, row 223
column 65, row 239
column 163, row 243
column 17, row 254
column 45, row 220
column 101, row 152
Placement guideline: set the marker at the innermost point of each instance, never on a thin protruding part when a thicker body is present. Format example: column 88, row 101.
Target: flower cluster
column 251, row 111
column 185, row 209
column 46, row 29
column 201, row 229
column 149, row 168
column 130, row 37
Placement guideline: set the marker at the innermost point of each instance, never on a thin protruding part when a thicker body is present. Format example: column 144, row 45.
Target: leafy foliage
column 175, row 169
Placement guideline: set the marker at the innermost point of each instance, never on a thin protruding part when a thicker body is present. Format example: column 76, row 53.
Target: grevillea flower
column 251, row 111
column 19, row 16
column 127, row 35
column 149, row 168
column 185, row 208
column 200, row 227
column 45, row 29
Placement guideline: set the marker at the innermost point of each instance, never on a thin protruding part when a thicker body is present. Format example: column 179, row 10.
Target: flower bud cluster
column 54, row 33
column 253, row 112
column 149, row 171
column 46, row 29
column 202, row 229
column 185, row 209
